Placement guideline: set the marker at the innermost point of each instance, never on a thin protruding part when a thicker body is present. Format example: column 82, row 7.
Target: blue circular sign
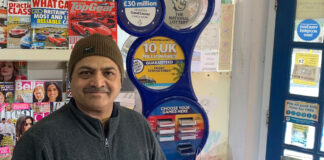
column 309, row 115
column 140, row 17
column 298, row 113
column 308, row 29
column 314, row 116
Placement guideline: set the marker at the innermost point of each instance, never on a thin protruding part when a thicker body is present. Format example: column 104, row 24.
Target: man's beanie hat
column 96, row 45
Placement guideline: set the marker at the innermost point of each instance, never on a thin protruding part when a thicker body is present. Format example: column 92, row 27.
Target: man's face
column 39, row 94
column 95, row 83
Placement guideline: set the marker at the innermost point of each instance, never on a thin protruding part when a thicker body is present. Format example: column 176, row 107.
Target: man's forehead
column 86, row 67
column 96, row 62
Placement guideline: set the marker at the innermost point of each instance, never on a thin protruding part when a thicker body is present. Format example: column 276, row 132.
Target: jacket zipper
column 106, row 143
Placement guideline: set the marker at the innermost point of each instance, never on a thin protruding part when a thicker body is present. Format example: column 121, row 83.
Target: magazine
column 18, row 24
column 49, row 24
column 56, row 105
column 87, row 17
column 7, row 91
column 41, row 110
column 3, row 25
column 11, row 71
column 29, row 91
column 12, row 112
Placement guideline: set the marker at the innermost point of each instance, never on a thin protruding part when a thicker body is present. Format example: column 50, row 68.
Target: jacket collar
column 92, row 125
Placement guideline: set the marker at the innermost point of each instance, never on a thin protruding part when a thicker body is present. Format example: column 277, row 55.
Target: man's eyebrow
column 85, row 67
column 108, row 68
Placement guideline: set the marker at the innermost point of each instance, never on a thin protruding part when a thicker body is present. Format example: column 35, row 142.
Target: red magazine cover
column 3, row 27
column 18, row 24
column 86, row 18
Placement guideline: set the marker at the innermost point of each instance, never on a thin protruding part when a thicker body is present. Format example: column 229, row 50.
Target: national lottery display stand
column 158, row 64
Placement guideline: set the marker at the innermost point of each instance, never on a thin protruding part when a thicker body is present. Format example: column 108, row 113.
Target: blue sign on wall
column 308, row 29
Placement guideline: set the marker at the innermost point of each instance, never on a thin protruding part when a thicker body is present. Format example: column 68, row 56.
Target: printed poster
column 158, row 62
column 226, row 38
column 179, row 126
column 306, row 70
column 309, row 21
column 299, row 135
column 301, row 112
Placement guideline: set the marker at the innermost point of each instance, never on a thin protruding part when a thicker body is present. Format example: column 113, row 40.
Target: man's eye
column 84, row 73
column 108, row 73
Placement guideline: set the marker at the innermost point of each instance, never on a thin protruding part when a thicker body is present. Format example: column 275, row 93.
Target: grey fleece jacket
column 69, row 134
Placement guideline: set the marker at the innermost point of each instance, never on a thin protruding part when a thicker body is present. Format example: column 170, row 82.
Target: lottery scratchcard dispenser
column 159, row 66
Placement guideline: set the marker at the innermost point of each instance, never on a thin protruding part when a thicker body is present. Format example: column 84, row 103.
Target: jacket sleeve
column 30, row 148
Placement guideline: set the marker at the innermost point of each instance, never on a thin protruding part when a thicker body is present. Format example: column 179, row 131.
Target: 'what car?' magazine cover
column 18, row 24
column 86, row 18
column 49, row 24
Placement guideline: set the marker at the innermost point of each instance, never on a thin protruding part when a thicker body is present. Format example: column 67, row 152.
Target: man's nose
column 98, row 80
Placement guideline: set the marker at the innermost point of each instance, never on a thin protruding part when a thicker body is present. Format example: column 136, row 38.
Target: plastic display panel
column 124, row 49
column 184, row 14
column 309, row 21
column 158, row 63
column 140, row 17
column 293, row 155
column 180, row 128
column 305, row 72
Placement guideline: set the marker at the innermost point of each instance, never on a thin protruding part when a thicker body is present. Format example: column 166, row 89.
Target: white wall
column 251, row 74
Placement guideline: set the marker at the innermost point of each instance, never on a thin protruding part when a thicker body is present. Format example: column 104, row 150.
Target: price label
column 129, row 4
column 140, row 3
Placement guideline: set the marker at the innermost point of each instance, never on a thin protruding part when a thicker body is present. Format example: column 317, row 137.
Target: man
column 11, row 129
column 38, row 94
column 91, row 126
column 2, row 128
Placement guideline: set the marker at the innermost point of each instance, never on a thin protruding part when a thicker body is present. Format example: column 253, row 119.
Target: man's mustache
column 96, row 90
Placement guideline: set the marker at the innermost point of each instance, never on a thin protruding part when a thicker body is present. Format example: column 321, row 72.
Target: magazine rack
column 158, row 64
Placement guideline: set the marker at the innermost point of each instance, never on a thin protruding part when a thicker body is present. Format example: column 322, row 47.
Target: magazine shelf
column 34, row 55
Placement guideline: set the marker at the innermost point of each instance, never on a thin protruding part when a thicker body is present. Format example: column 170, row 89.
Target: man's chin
column 99, row 101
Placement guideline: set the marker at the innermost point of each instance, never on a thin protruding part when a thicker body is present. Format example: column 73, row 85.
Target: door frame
column 250, row 88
